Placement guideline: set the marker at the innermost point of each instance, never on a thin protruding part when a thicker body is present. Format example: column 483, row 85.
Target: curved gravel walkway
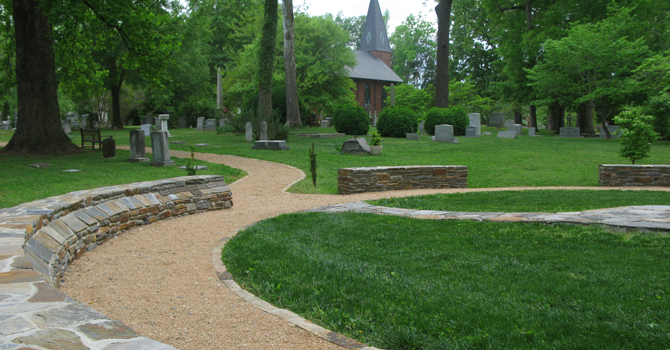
column 159, row 279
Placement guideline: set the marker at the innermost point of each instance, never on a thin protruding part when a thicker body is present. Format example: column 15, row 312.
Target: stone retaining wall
column 634, row 175
column 373, row 179
column 62, row 228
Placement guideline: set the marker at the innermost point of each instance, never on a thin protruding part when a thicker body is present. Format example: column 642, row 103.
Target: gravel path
column 159, row 279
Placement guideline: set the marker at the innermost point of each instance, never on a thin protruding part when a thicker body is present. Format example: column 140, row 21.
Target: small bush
column 455, row 116
column 638, row 134
column 396, row 121
column 659, row 108
column 351, row 120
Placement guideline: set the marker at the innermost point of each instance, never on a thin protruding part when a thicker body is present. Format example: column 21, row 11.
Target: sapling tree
column 637, row 133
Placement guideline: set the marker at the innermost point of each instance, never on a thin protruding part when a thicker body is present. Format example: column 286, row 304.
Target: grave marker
column 445, row 133
column 264, row 131
column 160, row 149
column 163, row 120
column 569, row 131
column 507, row 135
column 200, row 126
column 471, row 131
column 146, row 128
column 137, row 150
column 515, row 127
column 249, row 132
column 210, row 125
column 476, row 121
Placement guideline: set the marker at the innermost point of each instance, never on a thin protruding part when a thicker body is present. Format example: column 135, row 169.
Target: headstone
column 109, row 148
column 146, row 128
column 325, row 123
column 163, row 120
column 487, row 133
column 508, row 123
column 137, row 150
column 210, row 125
column 412, row 136
column 516, row 128
column 422, row 128
column 507, row 135
column 496, row 119
column 374, row 120
column 181, row 122
column 66, row 126
column 84, row 121
column 272, row 145
column 223, row 122
column 157, row 124
column 264, row 131
column 614, row 131
column 445, row 133
column 569, row 131
column 5, row 125
column 532, row 132
column 149, row 119
column 249, row 132
column 356, row 146
column 160, row 149
column 471, row 131
column 476, row 121
column 200, row 126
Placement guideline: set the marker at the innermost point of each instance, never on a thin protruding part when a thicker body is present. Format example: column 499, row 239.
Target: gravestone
column 373, row 123
column 508, row 123
column 5, row 125
column 356, row 146
column 412, row 136
column 496, row 119
column 532, row 132
column 148, row 119
column 515, row 127
column 160, row 149
column 109, row 148
column 137, row 151
column 210, row 125
column 223, row 122
column 146, row 128
column 271, row 145
column 445, row 133
column 157, row 124
column 487, row 133
column 66, row 126
column 163, row 121
column 422, row 128
column 84, row 122
column 264, row 131
column 507, row 135
column 614, row 131
column 471, row 131
column 181, row 122
column 200, row 126
column 325, row 123
column 569, row 131
column 476, row 121
column 249, row 132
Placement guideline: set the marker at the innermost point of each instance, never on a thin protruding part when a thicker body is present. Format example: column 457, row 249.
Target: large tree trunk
column 585, row 118
column 555, row 117
column 266, row 59
column 443, row 11
column 532, row 122
column 116, row 78
column 291, row 78
column 38, row 128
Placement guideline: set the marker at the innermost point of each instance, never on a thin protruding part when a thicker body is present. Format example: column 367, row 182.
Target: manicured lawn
column 400, row 283
column 544, row 201
column 20, row 183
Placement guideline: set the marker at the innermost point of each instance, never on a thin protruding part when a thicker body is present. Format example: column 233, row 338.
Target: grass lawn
column 20, row 183
column 401, row 283
column 543, row 201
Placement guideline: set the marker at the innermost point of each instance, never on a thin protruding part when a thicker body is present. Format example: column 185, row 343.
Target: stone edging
column 287, row 315
column 39, row 239
column 388, row 178
column 633, row 175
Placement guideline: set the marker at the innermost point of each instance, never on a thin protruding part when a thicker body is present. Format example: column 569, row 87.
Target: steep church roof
column 369, row 67
column 374, row 37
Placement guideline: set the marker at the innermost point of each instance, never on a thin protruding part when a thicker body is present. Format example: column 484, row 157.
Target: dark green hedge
column 455, row 116
column 396, row 121
column 351, row 120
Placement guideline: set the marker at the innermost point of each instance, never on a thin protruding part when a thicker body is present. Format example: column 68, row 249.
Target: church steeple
column 374, row 36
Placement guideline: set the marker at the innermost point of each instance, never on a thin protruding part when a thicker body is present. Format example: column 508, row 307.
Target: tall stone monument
column 160, row 149
column 264, row 131
column 137, row 149
column 249, row 137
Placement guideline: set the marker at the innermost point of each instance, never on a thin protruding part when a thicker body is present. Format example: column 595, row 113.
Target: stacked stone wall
column 634, row 175
column 373, row 179
column 61, row 229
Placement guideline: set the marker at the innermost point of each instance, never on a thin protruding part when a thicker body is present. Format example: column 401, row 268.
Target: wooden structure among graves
column 91, row 136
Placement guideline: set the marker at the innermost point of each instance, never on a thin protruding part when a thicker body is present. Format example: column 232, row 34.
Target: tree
column 291, row 80
column 266, row 60
column 637, row 134
column 414, row 51
column 443, row 11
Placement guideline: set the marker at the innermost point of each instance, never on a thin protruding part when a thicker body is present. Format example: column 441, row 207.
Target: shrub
column 659, row 108
column 351, row 119
column 396, row 121
column 455, row 116
column 638, row 133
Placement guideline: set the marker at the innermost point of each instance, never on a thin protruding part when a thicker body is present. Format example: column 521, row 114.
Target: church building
column 373, row 70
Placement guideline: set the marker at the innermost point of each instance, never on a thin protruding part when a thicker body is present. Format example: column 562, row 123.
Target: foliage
column 191, row 167
column 276, row 129
column 266, row 57
column 413, row 56
column 637, row 133
column 278, row 102
column 224, row 129
column 376, row 139
column 464, row 95
column 351, row 119
column 396, row 121
column 455, row 116
column 659, row 107
column 410, row 96
column 505, row 284
column 312, row 164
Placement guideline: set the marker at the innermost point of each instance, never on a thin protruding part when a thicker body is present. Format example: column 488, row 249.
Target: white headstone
column 422, row 128
column 476, row 121
column 264, row 130
column 471, row 131
column 515, row 128
column 200, row 126
column 444, row 133
column 146, row 128
column 325, row 123
column 163, row 120
column 66, row 126
column 507, row 134
column 249, row 132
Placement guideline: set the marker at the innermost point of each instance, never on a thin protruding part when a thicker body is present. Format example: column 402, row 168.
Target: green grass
column 545, row 201
column 492, row 162
column 400, row 283
column 21, row 183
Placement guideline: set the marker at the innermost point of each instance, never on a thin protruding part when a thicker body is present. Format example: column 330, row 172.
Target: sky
column 399, row 9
